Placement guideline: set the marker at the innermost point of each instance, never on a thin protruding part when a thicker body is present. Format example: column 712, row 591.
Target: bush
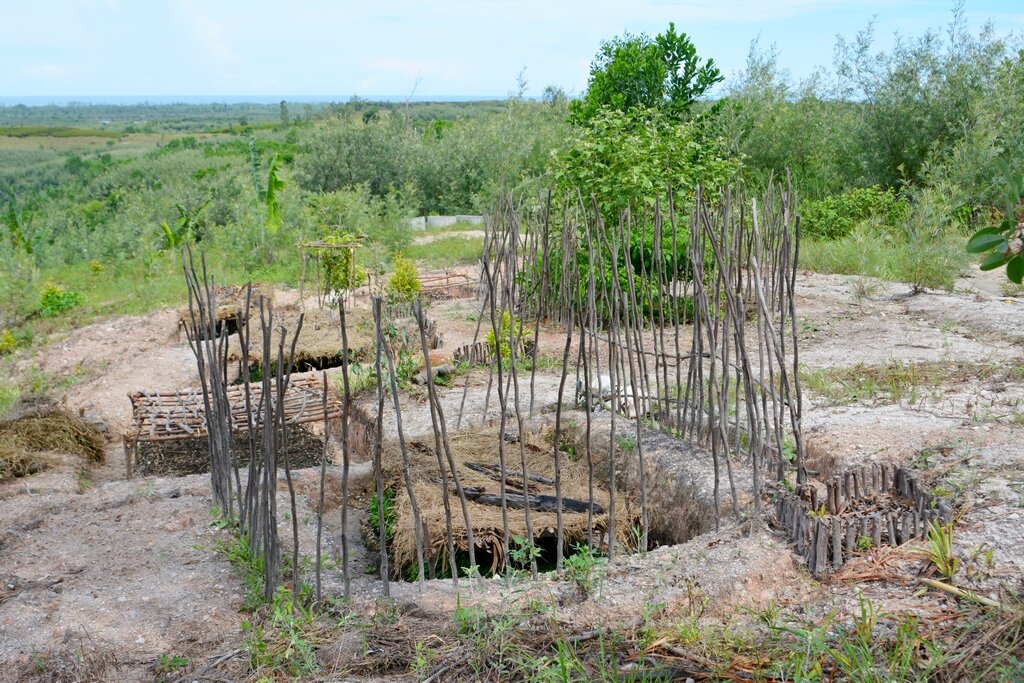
column 835, row 217
column 8, row 343
column 922, row 260
column 505, row 328
column 56, row 300
column 404, row 283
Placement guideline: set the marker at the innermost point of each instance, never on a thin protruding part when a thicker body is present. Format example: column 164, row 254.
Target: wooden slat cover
column 181, row 414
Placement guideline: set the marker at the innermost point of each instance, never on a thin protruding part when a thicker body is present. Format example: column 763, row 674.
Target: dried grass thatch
column 231, row 304
column 27, row 435
column 319, row 343
column 480, row 447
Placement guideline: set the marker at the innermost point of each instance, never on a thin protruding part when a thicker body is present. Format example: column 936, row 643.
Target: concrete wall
column 424, row 222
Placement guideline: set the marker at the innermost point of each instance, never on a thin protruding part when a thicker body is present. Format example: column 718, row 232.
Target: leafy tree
column 638, row 72
column 627, row 159
column 918, row 98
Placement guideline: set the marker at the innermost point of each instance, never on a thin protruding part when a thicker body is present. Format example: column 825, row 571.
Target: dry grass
column 896, row 383
column 481, row 446
column 25, row 440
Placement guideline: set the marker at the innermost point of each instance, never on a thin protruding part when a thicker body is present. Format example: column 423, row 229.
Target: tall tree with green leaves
column 662, row 73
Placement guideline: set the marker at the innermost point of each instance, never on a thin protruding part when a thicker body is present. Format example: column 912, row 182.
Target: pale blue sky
column 373, row 48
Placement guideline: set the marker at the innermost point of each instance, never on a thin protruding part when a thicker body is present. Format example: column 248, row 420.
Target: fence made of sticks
column 869, row 506
column 681, row 320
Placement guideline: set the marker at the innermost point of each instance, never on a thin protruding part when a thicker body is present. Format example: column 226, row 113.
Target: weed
column 940, row 550
column 423, row 659
column 8, row 396
column 626, row 442
column 584, row 567
column 167, row 663
column 84, row 482
column 8, row 343
column 55, row 300
column 522, row 552
column 390, row 513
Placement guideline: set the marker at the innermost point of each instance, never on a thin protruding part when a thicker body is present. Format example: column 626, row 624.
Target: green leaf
column 993, row 261
column 274, row 185
column 1015, row 269
column 984, row 240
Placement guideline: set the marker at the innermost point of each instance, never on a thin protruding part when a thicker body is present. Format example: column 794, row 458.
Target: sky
column 333, row 49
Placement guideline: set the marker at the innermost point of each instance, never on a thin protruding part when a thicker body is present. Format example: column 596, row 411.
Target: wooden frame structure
column 181, row 414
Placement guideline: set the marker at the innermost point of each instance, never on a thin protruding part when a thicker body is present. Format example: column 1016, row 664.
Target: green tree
column 638, row 72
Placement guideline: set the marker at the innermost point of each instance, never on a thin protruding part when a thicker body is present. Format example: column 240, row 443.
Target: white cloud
column 43, row 71
column 414, row 68
column 209, row 33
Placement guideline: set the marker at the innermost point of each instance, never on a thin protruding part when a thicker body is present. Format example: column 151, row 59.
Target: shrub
column 505, row 327
column 404, row 283
column 835, row 217
column 8, row 343
column 56, row 300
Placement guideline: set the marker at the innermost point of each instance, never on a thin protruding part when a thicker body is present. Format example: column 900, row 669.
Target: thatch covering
column 319, row 342
column 476, row 457
column 231, row 304
column 28, row 434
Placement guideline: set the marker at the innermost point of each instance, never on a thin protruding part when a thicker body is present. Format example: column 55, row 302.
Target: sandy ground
column 125, row 570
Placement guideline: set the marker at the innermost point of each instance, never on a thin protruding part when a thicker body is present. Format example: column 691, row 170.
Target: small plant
column 8, row 343
column 404, row 284
column 506, row 328
column 584, row 567
column 423, row 659
column 522, row 552
column 167, row 663
column 865, row 543
column 627, row 442
column 468, row 620
column 390, row 513
column 940, row 550
column 56, row 300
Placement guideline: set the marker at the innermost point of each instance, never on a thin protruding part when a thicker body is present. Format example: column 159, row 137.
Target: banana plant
column 274, row 185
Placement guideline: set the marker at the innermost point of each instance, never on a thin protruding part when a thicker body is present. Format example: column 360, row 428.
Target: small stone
column 95, row 421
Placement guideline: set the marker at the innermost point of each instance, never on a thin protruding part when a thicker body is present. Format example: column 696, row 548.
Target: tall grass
column 455, row 250
column 923, row 261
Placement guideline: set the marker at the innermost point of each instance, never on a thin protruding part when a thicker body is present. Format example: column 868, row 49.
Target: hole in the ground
column 488, row 565
column 226, row 326
column 306, row 364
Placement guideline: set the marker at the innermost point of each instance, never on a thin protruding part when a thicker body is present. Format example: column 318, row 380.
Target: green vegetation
column 507, row 330
column 940, row 550
column 404, row 283
column 640, row 73
column 895, row 383
column 448, row 251
column 56, row 300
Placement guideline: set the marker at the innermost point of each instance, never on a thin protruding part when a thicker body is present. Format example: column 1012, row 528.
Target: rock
column 95, row 421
